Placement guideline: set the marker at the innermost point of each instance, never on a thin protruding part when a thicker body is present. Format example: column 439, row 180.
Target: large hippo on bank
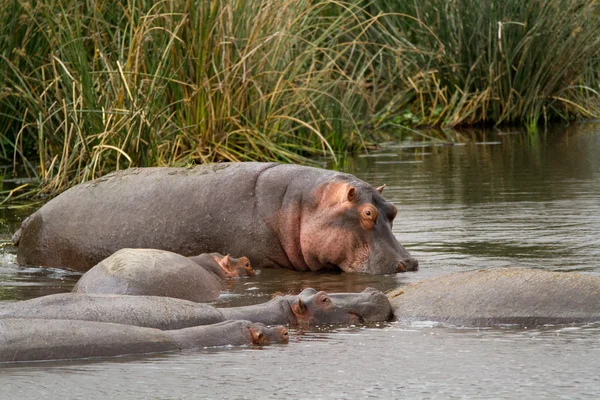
column 309, row 307
column 47, row 339
column 286, row 216
column 154, row 272
column 519, row 296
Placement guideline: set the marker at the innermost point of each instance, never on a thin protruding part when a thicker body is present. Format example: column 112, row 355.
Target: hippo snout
column 408, row 264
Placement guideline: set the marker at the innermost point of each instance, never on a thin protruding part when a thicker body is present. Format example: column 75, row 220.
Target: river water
column 500, row 200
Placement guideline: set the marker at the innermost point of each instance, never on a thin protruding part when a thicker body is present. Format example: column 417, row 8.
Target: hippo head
column 234, row 267
column 350, row 227
column 312, row 307
column 262, row 335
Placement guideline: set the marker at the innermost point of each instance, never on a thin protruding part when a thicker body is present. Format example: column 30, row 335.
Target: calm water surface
column 502, row 201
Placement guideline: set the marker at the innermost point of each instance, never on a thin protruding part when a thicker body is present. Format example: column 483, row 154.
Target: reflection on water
column 520, row 202
column 500, row 200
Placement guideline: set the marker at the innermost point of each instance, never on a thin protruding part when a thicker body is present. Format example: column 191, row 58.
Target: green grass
column 497, row 62
column 87, row 87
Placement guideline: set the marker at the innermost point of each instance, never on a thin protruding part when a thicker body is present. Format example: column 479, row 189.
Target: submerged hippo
column 520, row 296
column 312, row 307
column 308, row 307
column 161, row 273
column 286, row 216
column 47, row 339
column 224, row 266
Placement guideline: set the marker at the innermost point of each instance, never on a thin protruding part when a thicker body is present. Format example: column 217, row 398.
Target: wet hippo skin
column 307, row 308
column 153, row 272
column 521, row 296
column 48, row 339
column 285, row 216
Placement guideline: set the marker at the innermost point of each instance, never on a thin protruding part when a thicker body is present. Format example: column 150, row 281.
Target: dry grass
column 90, row 87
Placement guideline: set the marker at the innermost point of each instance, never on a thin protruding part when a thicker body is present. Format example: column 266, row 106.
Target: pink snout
column 408, row 264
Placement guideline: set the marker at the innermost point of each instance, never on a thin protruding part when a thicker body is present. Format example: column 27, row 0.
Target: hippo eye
column 370, row 214
column 247, row 264
column 325, row 300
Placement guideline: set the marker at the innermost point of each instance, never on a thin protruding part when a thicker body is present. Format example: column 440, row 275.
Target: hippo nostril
column 409, row 264
column 285, row 335
column 357, row 319
column 413, row 264
column 401, row 266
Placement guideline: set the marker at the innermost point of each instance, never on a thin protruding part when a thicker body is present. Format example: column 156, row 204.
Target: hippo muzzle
column 407, row 264
column 370, row 305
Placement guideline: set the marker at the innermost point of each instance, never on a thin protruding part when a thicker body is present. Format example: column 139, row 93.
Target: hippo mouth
column 332, row 267
column 356, row 318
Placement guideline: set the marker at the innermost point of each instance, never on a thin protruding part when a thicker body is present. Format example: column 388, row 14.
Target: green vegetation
column 87, row 87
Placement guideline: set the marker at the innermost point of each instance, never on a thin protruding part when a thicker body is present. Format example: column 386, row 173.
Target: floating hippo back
column 151, row 272
column 501, row 296
column 284, row 216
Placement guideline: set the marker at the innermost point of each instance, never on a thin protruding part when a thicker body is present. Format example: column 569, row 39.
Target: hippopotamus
column 162, row 273
column 48, row 339
column 307, row 308
column 312, row 307
column 285, row 216
column 517, row 296
column 224, row 266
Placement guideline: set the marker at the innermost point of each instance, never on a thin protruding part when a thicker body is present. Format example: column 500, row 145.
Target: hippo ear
column 224, row 262
column 380, row 188
column 351, row 194
column 225, row 265
column 258, row 338
column 299, row 308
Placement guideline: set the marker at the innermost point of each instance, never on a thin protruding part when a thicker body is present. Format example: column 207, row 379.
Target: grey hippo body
column 285, row 216
column 47, row 339
column 154, row 272
column 306, row 308
column 520, row 296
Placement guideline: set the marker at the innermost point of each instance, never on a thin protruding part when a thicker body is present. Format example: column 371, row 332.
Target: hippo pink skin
column 152, row 272
column 224, row 266
column 285, row 216
column 47, row 339
column 307, row 308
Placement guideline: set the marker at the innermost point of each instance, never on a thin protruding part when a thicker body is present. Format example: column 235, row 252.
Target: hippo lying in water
column 286, row 216
column 308, row 307
column 162, row 273
column 519, row 296
column 47, row 339
column 224, row 266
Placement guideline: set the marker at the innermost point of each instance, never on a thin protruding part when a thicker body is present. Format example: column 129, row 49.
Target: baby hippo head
column 262, row 335
column 234, row 267
column 312, row 307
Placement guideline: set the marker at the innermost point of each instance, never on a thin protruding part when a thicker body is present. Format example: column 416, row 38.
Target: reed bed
column 88, row 87
column 496, row 61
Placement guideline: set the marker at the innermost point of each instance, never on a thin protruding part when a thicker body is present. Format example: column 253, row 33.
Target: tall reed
column 502, row 61
column 99, row 85
column 87, row 87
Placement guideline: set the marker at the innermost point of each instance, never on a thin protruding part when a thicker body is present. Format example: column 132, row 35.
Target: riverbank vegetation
column 87, row 87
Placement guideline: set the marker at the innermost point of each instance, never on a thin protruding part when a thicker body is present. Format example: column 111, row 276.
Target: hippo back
column 519, row 296
column 150, row 272
column 286, row 216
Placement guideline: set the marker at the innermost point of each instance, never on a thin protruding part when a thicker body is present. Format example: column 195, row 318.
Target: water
column 504, row 201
